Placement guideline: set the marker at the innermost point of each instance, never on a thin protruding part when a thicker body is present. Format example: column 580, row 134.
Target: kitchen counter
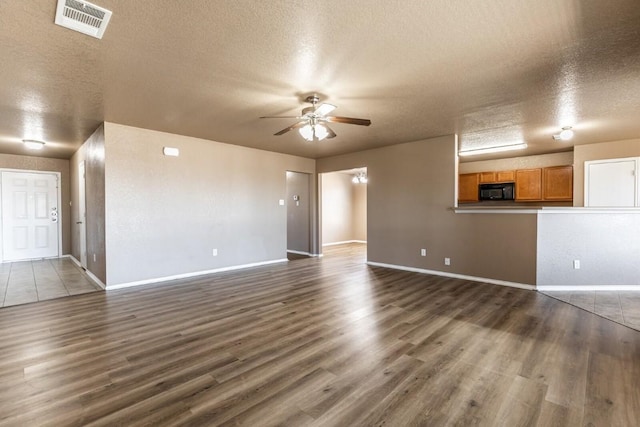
column 476, row 209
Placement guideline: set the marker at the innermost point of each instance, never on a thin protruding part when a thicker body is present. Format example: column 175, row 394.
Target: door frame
column 59, row 197
column 82, row 204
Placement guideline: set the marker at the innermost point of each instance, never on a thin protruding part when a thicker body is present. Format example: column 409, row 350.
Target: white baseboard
column 90, row 274
column 453, row 275
column 550, row 288
column 303, row 253
column 343, row 243
column 193, row 274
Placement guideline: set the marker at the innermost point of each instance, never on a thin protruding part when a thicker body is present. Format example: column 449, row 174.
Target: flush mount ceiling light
column 565, row 135
column 32, row 144
column 496, row 149
column 360, row 178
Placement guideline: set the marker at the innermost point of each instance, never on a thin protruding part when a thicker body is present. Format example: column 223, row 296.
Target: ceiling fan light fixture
column 325, row 109
column 307, row 132
column 320, row 132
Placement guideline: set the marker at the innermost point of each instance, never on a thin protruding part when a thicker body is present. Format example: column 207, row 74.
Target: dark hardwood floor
column 324, row 342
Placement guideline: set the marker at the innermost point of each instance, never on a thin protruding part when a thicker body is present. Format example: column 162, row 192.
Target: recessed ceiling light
column 496, row 149
column 33, row 144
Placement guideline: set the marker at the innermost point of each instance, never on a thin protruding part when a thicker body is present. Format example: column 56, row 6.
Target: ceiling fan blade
column 280, row 117
column 331, row 134
column 325, row 109
column 348, row 120
column 292, row 127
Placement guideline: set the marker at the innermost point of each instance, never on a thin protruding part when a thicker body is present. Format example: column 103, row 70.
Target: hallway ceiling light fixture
column 565, row 135
column 32, row 144
column 360, row 178
column 496, row 149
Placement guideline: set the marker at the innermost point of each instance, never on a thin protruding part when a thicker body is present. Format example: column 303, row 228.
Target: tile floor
column 30, row 281
column 621, row 307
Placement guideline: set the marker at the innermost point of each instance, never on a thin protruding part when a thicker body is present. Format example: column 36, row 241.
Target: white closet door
column 611, row 183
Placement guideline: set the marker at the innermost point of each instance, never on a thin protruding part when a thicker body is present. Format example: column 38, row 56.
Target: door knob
column 78, row 222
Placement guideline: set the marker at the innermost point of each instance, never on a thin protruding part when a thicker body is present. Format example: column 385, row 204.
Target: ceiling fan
column 314, row 119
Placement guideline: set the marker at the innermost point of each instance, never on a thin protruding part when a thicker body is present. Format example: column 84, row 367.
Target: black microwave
column 501, row 191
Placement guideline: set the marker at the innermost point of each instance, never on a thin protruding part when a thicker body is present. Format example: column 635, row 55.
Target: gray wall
column 11, row 161
column 298, row 212
column 166, row 214
column 607, row 245
column 411, row 190
column 92, row 152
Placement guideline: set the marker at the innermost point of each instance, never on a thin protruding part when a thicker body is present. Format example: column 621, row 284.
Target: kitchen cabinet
column 499, row 176
column 468, row 187
column 529, row 185
column 505, row 176
column 487, row 177
column 558, row 183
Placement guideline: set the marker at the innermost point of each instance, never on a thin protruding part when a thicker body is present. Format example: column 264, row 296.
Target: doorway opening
column 344, row 212
column 298, row 203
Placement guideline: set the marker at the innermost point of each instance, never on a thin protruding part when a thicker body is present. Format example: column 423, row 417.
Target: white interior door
column 611, row 183
column 29, row 215
column 82, row 215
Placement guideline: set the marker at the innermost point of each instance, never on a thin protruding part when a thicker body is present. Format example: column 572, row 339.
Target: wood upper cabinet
column 468, row 187
column 505, row 176
column 529, row 185
column 558, row 183
column 487, row 177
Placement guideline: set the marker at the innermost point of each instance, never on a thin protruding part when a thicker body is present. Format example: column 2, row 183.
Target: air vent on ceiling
column 82, row 16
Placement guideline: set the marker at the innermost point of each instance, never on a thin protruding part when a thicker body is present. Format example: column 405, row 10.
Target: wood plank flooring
column 319, row 342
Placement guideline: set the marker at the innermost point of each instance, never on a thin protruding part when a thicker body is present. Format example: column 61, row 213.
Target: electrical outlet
column 423, row 252
column 576, row 264
column 94, row 257
column 215, row 252
column 447, row 261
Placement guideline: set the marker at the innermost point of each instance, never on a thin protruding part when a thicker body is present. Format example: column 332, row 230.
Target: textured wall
column 410, row 193
column 607, row 245
column 12, row 161
column 166, row 214
column 605, row 150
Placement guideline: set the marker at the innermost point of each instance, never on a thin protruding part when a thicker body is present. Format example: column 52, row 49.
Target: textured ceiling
column 493, row 71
